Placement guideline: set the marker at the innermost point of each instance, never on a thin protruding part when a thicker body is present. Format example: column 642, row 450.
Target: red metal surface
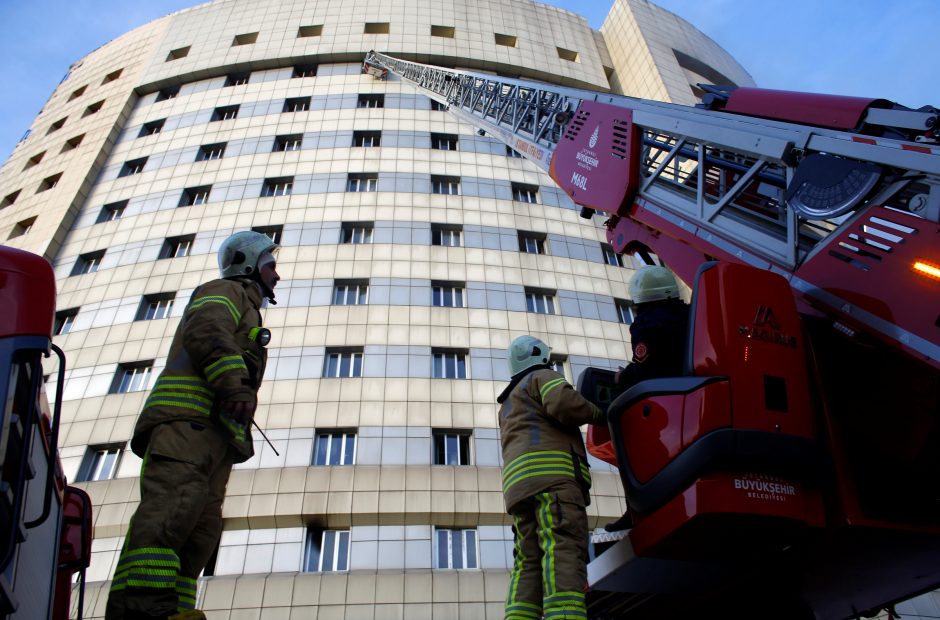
column 652, row 433
column 27, row 294
column 833, row 111
column 706, row 410
column 595, row 162
column 881, row 280
column 599, row 444
column 747, row 328
column 764, row 500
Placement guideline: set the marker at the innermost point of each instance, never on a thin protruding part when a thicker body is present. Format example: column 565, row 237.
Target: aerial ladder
column 794, row 469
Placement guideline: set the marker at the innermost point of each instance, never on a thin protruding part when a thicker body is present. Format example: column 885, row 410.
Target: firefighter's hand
column 617, row 374
column 241, row 411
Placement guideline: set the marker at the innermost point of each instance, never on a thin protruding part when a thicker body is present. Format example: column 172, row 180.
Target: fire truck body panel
column 787, row 483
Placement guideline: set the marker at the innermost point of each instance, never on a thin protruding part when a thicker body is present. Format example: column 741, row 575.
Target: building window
column 611, row 257
column 87, row 263
column 151, row 128
column 281, row 186
column 531, row 243
column 367, row 138
column 451, row 447
column 625, row 312
column 193, row 196
column 456, row 548
column 350, row 292
column 133, row 377
column 342, row 364
column 9, row 199
column 180, row 52
column 177, row 247
column 169, row 92
column 112, row 76
column 224, row 113
column 290, row 142
column 437, row 106
column 326, row 550
column 244, row 39
column 78, row 92
column 72, row 143
column 446, row 32
column 237, row 79
column 208, row 152
column 362, row 182
column 557, row 364
column 506, row 40
column 371, row 101
column 447, row 294
column 34, row 160
column 134, row 166
column 111, row 211
column 296, row 104
column 525, row 193
column 56, row 126
column 539, row 302
column 444, row 141
column 100, row 463
column 568, row 55
column 511, row 152
column 448, row 364
column 335, row 447
column 22, row 227
column 155, row 307
column 445, row 185
column 273, row 232
column 446, row 235
column 356, row 232
column 377, row 28
column 64, row 319
column 48, row 183
column 304, row 71
column 93, row 108
column 315, row 30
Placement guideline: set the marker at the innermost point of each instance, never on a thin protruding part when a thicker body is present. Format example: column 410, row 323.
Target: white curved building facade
column 413, row 251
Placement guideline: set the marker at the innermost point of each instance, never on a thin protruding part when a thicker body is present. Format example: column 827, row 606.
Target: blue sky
column 878, row 48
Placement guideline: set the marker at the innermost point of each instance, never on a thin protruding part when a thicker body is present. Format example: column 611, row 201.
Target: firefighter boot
column 189, row 614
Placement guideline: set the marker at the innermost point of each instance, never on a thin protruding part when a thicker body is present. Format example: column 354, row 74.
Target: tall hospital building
column 413, row 251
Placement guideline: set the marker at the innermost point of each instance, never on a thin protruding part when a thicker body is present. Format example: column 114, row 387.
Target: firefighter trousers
column 177, row 524
column 549, row 573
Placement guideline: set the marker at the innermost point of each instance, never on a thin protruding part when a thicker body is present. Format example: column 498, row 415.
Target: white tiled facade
column 126, row 222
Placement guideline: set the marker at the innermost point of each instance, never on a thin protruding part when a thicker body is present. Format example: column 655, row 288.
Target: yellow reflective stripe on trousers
column 225, row 364
column 519, row 610
column 185, row 592
column 546, row 531
column 217, row 299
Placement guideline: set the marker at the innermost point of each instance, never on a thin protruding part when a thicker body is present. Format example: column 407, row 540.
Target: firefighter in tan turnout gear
column 194, row 426
column 546, row 484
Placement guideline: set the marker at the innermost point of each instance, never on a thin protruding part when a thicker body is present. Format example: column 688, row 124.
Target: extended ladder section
column 826, row 206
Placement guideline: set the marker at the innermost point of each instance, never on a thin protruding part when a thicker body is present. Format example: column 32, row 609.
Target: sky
column 868, row 48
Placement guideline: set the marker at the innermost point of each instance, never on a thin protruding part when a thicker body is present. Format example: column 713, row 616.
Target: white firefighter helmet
column 653, row 283
column 525, row 352
column 239, row 254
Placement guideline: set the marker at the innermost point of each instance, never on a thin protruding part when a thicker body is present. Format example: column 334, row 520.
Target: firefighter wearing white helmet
column 194, row 426
column 659, row 329
column 546, row 483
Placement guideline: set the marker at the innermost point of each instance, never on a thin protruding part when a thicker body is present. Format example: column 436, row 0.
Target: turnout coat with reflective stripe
column 211, row 360
column 539, row 424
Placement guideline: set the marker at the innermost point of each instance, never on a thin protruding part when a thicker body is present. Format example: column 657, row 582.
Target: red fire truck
column 793, row 470
column 45, row 525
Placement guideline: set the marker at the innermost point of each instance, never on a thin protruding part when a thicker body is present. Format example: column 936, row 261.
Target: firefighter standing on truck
column 194, row 426
column 546, row 483
column 659, row 331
